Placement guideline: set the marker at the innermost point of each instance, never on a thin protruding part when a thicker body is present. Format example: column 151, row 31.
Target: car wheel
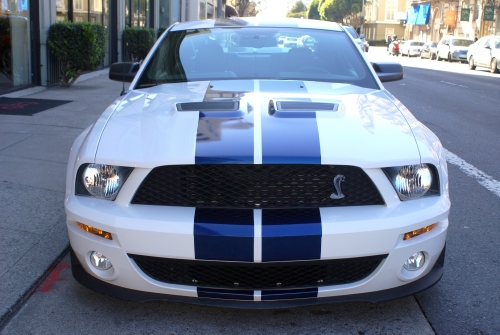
column 472, row 66
column 433, row 57
column 493, row 66
column 449, row 57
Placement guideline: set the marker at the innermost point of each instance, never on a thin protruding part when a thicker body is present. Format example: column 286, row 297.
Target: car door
column 482, row 52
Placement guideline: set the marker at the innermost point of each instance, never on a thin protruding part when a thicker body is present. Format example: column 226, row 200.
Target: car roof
column 257, row 22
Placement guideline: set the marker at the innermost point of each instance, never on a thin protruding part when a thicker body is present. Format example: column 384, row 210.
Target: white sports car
column 238, row 173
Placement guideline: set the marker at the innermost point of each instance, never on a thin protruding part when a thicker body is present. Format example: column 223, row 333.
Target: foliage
column 297, row 15
column 138, row 42
column 161, row 30
column 247, row 7
column 298, row 7
column 313, row 10
column 377, row 43
column 337, row 10
column 79, row 47
column 5, row 48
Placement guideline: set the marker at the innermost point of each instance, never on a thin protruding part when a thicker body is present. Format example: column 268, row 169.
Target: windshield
column 351, row 31
column 254, row 53
column 462, row 43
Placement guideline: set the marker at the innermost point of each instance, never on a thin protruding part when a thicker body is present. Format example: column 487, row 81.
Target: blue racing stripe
column 288, row 140
column 289, row 294
column 291, row 234
column 226, row 137
column 225, row 294
column 224, row 234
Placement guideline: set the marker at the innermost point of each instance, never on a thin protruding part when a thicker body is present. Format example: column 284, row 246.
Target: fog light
column 99, row 261
column 415, row 261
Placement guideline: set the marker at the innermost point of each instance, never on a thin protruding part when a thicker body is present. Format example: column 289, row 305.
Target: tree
column 247, row 7
column 337, row 10
column 313, row 10
column 298, row 10
column 298, row 7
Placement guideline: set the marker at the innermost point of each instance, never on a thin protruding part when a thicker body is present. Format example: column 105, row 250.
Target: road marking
column 445, row 82
column 482, row 178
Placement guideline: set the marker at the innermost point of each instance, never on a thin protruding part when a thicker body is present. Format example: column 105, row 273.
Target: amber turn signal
column 419, row 231
column 95, row 231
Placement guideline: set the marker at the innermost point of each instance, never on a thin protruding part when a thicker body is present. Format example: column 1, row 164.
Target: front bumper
column 105, row 288
column 345, row 233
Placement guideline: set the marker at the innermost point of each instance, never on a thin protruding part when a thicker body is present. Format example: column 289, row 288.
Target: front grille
column 255, row 186
column 258, row 276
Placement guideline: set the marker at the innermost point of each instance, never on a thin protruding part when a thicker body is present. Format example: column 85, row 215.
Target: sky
column 274, row 8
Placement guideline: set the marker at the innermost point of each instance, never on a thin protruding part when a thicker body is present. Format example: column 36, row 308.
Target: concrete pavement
column 33, row 156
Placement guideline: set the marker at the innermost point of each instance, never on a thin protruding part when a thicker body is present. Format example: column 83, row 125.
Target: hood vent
column 305, row 106
column 209, row 106
column 299, row 109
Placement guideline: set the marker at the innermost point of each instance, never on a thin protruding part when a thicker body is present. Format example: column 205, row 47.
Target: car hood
column 151, row 127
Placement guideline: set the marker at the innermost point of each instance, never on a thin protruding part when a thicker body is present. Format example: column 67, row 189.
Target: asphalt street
column 462, row 108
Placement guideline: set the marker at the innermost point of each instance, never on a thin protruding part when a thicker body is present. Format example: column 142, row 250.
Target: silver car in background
column 411, row 48
column 355, row 36
column 485, row 53
column 453, row 48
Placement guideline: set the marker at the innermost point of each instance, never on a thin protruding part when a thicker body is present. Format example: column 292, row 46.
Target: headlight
column 413, row 181
column 101, row 180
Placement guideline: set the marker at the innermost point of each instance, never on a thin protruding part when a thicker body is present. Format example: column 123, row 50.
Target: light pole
column 362, row 16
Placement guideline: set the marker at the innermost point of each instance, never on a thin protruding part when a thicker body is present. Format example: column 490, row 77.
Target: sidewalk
column 33, row 156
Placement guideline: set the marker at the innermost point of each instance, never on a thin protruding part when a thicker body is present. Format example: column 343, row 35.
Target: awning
column 419, row 15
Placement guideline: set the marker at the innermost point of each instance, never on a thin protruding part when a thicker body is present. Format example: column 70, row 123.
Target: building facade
column 24, row 56
column 430, row 20
column 382, row 19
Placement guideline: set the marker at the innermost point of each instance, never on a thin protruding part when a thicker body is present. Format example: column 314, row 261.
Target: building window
column 136, row 13
column 390, row 9
column 78, row 4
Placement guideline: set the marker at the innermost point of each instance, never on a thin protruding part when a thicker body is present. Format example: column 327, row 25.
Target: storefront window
column 61, row 10
column 96, row 9
column 203, row 9
column 136, row 13
column 14, row 43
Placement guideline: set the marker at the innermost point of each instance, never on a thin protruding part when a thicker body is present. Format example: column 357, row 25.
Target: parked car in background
column 290, row 42
column 453, row 48
column 485, row 53
column 428, row 50
column 273, row 178
column 366, row 46
column 411, row 48
column 354, row 35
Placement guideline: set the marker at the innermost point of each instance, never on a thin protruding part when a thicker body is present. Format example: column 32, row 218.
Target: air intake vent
column 210, row 106
column 305, row 106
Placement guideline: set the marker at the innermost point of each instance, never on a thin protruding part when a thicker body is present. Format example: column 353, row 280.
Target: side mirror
column 124, row 72
column 362, row 36
column 387, row 71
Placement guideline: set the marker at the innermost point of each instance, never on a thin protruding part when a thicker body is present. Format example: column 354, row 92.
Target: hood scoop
column 299, row 109
column 213, row 109
column 208, row 106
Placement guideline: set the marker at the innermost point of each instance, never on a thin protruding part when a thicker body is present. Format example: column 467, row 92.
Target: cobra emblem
column 336, row 182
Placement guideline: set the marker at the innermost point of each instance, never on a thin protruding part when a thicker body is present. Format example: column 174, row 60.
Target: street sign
column 489, row 13
column 465, row 14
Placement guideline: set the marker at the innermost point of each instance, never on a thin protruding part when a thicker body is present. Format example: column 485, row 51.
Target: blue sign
column 419, row 15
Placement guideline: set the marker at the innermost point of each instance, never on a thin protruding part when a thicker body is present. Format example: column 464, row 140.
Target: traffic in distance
column 483, row 53
column 239, row 172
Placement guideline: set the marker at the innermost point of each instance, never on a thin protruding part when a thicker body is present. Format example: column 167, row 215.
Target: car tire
column 472, row 66
column 494, row 66
column 433, row 56
column 449, row 58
